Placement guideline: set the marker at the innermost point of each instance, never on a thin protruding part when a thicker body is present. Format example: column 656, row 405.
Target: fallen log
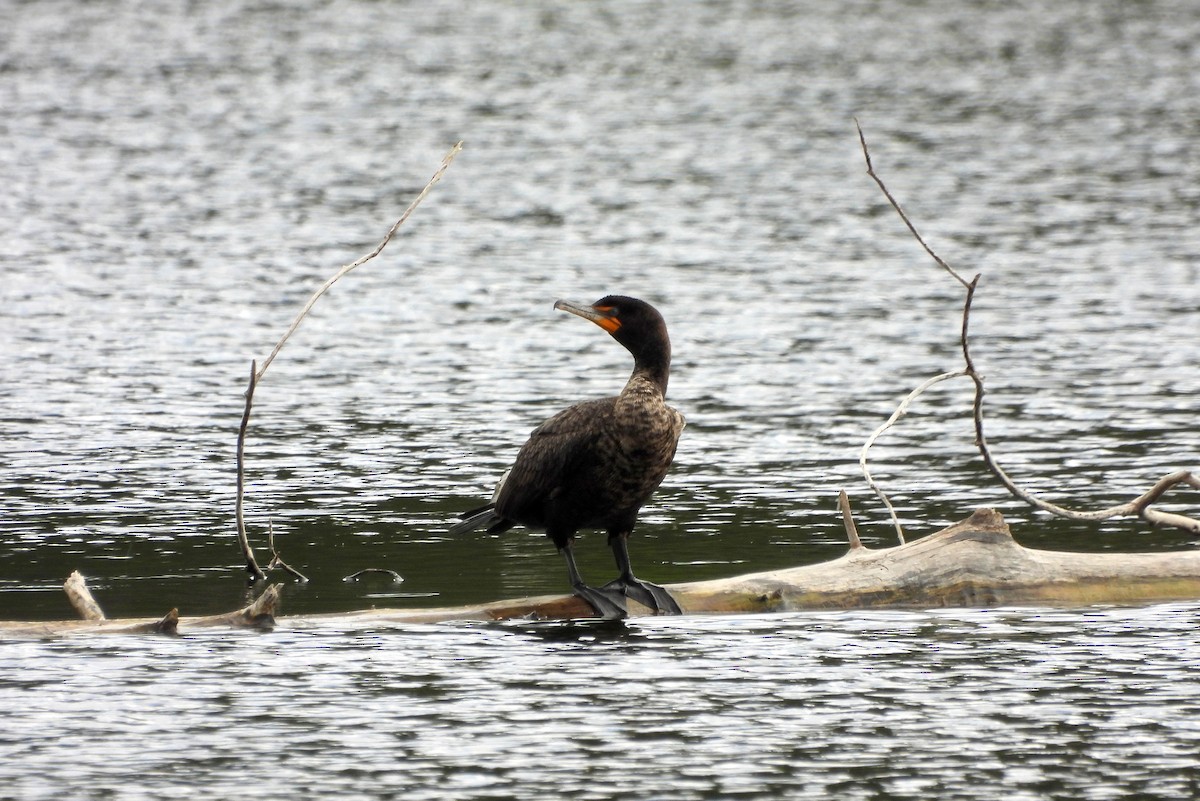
column 973, row 563
column 259, row 614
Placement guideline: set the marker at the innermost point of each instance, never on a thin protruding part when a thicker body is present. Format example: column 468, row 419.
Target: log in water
column 973, row 563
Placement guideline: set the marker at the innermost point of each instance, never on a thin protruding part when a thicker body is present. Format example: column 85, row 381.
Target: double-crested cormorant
column 594, row 464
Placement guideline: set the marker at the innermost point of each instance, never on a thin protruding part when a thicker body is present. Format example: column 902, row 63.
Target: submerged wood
column 974, row 563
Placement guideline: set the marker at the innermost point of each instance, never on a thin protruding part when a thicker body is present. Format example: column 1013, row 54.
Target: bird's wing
column 553, row 452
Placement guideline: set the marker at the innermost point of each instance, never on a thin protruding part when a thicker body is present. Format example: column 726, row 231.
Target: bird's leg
column 649, row 595
column 607, row 604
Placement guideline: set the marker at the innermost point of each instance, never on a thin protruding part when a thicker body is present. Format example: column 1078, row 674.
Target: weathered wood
column 974, row 563
column 259, row 614
column 81, row 598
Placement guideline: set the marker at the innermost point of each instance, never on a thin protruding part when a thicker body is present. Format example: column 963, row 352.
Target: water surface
column 955, row 704
column 180, row 178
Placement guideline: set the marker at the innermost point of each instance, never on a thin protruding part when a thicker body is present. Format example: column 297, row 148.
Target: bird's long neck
column 653, row 365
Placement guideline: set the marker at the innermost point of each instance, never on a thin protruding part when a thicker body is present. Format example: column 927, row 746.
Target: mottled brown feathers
column 593, row 465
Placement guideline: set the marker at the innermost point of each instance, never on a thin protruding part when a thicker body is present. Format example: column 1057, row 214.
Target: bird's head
column 634, row 323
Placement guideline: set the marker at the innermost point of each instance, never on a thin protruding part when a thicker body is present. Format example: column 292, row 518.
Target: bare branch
column 256, row 374
column 396, row 577
column 1139, row 506
column 252, row 567
column 871, row 172
column 891, row 421
column 277, row 560
column 437, row 176
column 168, row 624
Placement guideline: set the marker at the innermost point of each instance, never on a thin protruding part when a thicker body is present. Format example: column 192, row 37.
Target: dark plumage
column 594, row 464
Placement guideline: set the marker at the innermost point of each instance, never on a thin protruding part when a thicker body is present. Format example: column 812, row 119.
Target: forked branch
column 277, row 560
column 1139, row 506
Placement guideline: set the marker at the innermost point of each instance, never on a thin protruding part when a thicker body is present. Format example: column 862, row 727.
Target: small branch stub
column 848, row 521
column 260, row 613
column 81, row 598
column 169, row 624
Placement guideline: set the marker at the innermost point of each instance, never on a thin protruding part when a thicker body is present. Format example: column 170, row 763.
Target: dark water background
column 179, row 178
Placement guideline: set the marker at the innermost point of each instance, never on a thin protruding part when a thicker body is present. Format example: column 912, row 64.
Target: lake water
column 180, row 178
column 955, row 704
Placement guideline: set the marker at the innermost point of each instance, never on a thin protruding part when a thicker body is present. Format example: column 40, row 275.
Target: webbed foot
column 649, row 595
column 608, row 604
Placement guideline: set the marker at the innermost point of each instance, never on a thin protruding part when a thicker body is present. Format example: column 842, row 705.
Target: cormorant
column 594, row 464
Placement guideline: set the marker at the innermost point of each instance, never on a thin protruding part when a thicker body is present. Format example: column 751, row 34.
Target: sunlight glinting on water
column 180, row 178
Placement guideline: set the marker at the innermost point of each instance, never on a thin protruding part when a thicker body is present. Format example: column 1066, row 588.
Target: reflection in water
column 580, row 631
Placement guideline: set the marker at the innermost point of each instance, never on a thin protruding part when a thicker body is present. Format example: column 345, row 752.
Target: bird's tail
column 483, row 517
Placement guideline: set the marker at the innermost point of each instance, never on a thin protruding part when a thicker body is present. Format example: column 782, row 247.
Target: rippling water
column 955, row 704
column 179, row 178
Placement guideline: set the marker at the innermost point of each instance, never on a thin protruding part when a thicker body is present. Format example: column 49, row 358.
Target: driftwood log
column 974, row 563
column 259, row 614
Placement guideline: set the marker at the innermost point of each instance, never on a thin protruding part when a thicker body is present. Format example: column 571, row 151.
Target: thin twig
column 891, row 421
column 277, row 560
column 256, row 374
column 437, row 176
column 396, row 577
column 895, row 205
column 252, row 567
